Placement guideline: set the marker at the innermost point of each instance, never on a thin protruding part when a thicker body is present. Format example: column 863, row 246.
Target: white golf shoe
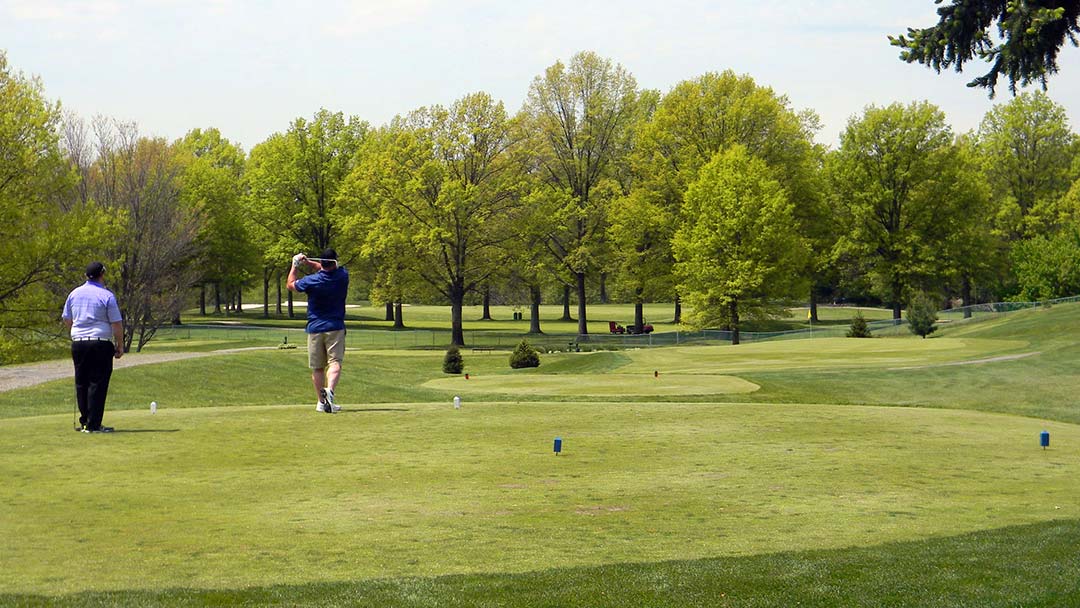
column 328, row 398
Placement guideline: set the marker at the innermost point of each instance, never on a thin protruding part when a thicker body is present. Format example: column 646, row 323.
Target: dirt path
column 29, row 374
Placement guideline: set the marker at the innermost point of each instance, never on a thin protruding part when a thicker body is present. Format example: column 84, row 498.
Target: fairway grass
column 886, row 472
column 229, row 497
column 596, row 385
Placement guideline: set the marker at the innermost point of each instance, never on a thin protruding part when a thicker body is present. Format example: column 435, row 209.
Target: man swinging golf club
column 326, row 290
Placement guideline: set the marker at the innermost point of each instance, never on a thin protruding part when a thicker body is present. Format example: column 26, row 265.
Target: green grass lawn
column 216, row 498
column 677, row 490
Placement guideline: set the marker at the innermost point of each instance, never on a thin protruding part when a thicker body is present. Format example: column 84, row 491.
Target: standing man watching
column 326, row 290
column 93, row 316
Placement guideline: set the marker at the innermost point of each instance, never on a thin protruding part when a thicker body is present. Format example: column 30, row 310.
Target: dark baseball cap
column 329, row 254
column 94, row 270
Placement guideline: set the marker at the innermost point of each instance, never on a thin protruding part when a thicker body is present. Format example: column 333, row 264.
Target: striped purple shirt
column 92, row 310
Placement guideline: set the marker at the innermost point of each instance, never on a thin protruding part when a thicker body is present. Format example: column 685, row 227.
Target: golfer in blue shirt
column 93, row 316
column 326, row 290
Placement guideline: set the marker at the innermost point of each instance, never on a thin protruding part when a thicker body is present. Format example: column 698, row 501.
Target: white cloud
column 66, row 11
column 365, row 16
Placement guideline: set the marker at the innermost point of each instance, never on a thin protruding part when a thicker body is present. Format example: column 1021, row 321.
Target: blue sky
column 249, row 68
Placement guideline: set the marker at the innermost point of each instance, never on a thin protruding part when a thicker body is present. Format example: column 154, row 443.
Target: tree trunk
column 582, row 325
column 566, row 304
column 266, row 293
column 813, row 306
column 290, row 306
column 457, row 298
column 389, row 311
column 965, row 295
column 217, row 298
column 487, row 304
column 399, row 320
column 603, row 288
column 239, row 300
column 279, row 294
column 678, row 309
column 897, row 296
column 202, row 299
column 639, row 317
column 534, row 310
column 733, row 309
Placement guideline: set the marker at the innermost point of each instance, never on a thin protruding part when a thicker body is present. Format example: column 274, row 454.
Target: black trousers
column 93, row 368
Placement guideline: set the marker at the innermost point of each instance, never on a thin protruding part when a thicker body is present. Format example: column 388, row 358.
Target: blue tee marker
column 1044, row 439
column 558, row 445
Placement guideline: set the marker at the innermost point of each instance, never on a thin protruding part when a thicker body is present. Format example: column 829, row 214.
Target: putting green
column 830, row 353
column 225, row 498
column 637, row 385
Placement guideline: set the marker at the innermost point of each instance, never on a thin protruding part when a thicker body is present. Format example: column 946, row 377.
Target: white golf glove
column 298, row 259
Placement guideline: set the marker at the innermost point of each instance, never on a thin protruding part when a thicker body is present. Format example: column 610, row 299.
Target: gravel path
column 29, row 374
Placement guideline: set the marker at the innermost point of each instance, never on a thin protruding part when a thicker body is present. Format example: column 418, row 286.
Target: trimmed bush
column 453, row 363
column 859, row 328
column 524, row 355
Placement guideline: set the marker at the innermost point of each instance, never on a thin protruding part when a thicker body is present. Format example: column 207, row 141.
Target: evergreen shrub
column 524, row 355
column 453, row 363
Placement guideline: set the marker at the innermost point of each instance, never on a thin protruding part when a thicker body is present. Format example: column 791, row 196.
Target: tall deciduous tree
column 706, row 115
column 739, row 250
column 211, row 182
column 975, row 256
column 447, row 182
column 45, row 232
column 139, row 179
column 578, row 116
column 1027, row 150
column 1030, row 34
column 894, row 179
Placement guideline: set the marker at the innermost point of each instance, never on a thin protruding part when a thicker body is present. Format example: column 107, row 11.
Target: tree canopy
column 739, row 250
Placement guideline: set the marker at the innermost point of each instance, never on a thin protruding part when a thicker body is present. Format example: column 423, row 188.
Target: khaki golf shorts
column 325, row 347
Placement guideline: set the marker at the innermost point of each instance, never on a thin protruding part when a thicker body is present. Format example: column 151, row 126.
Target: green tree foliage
column 211, row 184
column 447, row 182
column 524, row 355
column 975, row 258
column 739, row 250
column 858, row 327
column 713, row 112
column 922, row 316
column 1048, row 267
column 1029, row 36
column 453, row 362
column 1027, row 151
column 579, row 116
column 899, row 191
column 47, row 235
column 640, row 234
column 294, row 179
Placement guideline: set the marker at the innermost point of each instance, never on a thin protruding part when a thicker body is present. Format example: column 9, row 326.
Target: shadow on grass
column 146, row 430
column 1032, row 565
column 373, row 409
